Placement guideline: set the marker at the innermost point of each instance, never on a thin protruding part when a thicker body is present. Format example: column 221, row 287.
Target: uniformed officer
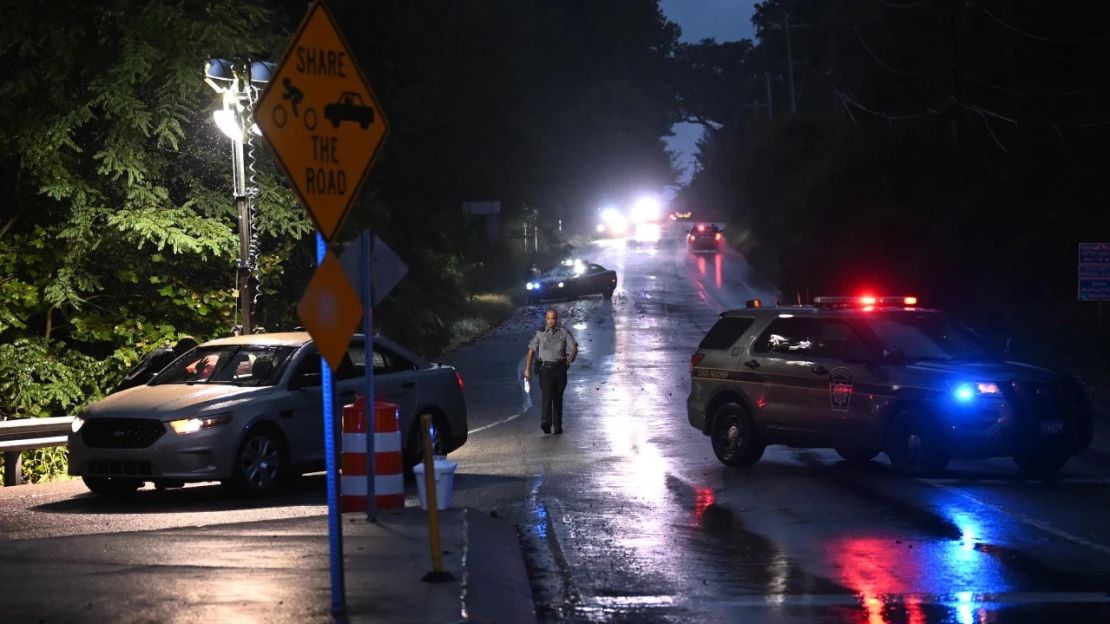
column 555, row 349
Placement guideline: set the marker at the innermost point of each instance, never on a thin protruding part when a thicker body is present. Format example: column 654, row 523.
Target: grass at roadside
column 481, row 313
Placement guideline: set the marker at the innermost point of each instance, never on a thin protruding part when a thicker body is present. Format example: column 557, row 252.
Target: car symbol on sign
column 349, row 107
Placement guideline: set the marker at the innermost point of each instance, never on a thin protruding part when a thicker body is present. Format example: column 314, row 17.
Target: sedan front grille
column 121, row 433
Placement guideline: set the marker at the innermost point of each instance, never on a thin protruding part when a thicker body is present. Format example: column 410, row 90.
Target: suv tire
column 857, row 456
column 735, row 440
column 915, row 445
column 1041, row 465
column 115, row 487
column 261, row 463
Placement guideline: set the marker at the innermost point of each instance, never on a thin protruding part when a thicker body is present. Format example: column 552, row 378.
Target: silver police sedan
column 246, row 411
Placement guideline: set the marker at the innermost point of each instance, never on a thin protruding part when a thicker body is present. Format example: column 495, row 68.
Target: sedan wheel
column 735, row 441
column 440, row 435
column 260, row 464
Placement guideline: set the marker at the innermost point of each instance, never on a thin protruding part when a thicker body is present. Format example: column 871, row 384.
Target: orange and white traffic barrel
column 354, row 461
column 389, row 480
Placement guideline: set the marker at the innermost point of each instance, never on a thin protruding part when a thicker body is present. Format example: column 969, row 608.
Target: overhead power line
column 986, row 83
column 1025, row 33
column 901, row 5
column 874, row 56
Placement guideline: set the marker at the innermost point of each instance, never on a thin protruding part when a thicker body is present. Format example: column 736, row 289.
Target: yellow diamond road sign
column 322, row 120
column 330, row 310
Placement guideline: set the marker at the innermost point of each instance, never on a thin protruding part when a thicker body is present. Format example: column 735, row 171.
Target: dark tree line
column 117, row 229
column 956, row 149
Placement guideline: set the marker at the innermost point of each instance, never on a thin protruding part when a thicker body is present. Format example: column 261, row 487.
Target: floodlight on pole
column 238, row 84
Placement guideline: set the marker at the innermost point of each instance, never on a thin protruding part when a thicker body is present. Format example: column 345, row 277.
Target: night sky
column 723, row 20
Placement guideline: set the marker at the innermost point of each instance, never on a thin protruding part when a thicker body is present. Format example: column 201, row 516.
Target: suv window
column 725, row 333
column 836, row 337
column 787, row 335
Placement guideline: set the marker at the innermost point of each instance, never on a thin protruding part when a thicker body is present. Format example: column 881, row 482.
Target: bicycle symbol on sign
column 295, row 96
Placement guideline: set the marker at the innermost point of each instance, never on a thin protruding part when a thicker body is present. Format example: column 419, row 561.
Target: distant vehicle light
column 601, row 228
column 718, row 236
column 867, row 300
column 753, row 303
column 964, row 393
column 561, row 284
column 647, row 208
column 701, row 227
column 529, row 286
column 911, row 301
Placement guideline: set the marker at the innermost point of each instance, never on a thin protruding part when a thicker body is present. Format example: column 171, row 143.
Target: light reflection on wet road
column 629, row 517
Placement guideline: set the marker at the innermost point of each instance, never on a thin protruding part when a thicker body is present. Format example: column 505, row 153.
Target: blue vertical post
column 366, row 271
column 335, row 526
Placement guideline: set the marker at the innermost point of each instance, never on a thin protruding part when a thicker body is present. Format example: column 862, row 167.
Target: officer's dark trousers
column 553, row 381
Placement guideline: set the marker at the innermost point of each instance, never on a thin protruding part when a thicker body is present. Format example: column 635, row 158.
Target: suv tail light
column 695, row 359
column 458, row 378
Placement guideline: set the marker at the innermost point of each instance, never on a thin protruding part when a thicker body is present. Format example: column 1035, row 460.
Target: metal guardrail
column 28, row 434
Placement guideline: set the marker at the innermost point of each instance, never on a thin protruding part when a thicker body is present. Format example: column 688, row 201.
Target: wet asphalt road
column 629, row 517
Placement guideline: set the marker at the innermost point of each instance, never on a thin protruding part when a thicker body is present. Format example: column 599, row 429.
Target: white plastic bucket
column 445, row 483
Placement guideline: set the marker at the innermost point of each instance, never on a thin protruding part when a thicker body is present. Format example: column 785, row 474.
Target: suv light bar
column 865, row 302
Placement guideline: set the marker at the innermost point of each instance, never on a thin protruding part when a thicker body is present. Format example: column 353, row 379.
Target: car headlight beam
column 193, row 425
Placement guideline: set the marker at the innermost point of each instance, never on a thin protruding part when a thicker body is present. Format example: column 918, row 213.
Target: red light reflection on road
column 703, row 499
column 701, row 265
column 717, row 263
column 866, row 567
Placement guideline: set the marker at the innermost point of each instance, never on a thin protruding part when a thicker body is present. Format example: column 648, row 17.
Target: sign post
column 1094, row 272
column 325, row 127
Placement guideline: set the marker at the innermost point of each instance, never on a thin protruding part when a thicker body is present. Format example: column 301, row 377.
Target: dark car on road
column 349, row 107
column 869, row 375
column 705, row 237
column 572, row 280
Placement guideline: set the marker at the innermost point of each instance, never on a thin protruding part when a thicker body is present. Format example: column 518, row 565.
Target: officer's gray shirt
column 551, row 345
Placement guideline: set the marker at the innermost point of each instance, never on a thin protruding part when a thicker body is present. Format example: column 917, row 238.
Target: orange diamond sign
column 322, row 120
column 330, row 310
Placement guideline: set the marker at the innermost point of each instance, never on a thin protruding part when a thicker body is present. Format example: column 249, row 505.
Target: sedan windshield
column 239, row 365
column 927, row 336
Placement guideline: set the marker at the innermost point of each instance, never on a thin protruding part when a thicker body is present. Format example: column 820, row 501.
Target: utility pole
column 789, row 61
column 770, row 101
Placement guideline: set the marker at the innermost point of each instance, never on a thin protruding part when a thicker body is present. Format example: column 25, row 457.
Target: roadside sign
column 386, row 268
column 322, row 120
column 1094, row 271
column 330, row 310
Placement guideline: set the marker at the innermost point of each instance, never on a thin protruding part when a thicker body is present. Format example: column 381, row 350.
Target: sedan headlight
column 77, row 423
column 967, row 391
column 193, row 425
column 529, row 286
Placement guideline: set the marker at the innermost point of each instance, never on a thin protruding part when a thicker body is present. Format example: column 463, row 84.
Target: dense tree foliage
column 117, row 229
column 952, row 148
